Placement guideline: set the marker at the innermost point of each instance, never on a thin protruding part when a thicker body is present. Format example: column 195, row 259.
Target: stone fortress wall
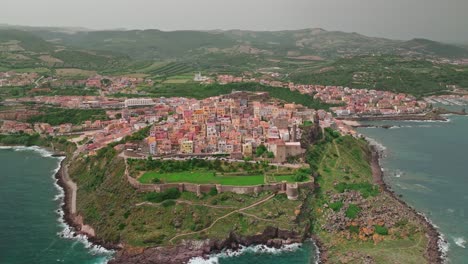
column 291, row 189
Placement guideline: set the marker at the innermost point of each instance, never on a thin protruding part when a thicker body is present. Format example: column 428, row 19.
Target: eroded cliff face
column 182, row 253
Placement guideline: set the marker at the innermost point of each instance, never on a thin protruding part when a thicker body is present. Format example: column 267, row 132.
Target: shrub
column 213, row 191
column 336, row 206
column 366, row 189
column 352, row 211
column 354, row 229
column 168, row 194
column 381, row 230
column 168, row 203
column 156, row 180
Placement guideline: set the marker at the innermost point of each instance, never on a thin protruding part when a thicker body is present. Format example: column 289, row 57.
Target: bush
column 156, row 180
column 168, row 203
column 366, row 189
column 354, row 229
column 169, row 194
column 336, row 206
column 352, row 211
column 213, row 191
column 381, row 230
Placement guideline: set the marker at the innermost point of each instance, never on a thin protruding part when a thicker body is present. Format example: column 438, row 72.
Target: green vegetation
column 390, row 73
column 169, row 194
column 336, row 206
column 381, row 230
column 57, row 116
column 199, row 91
column 203, row 177
column 352, row 211
column 201, row 171
column 23, row 139
column 118, row 213
column 342, row 164
column 366, row 189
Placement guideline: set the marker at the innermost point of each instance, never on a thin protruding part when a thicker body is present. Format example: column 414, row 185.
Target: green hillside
column 392, row 73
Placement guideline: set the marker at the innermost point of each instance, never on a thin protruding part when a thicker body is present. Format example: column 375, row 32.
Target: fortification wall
column 291, row 189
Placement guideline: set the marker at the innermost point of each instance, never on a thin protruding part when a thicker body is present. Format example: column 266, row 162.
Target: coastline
column 434, row 252
column 271, row 237
column 69, row 208
column 73, row 228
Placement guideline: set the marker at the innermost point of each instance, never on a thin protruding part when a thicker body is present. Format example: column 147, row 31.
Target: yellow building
column 247, row 150
column 186, row 147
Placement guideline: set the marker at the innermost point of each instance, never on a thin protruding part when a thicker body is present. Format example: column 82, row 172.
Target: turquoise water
column 32, row 233
column 30, row 230
column 296, row 253
column 427, row 163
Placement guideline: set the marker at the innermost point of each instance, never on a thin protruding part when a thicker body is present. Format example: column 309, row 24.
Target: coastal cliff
column 332, row 230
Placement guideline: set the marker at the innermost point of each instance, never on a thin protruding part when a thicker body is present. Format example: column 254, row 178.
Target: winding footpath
column 222, row 217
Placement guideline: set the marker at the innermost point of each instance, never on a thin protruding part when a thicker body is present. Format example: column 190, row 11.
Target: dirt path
column 188, row 202
column 224, row 216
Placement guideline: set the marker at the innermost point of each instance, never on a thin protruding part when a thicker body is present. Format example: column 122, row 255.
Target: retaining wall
column 290, row 189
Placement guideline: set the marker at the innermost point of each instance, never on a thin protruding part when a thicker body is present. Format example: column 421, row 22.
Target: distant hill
column 24, row 49
column 156, row 44
column 429, row 47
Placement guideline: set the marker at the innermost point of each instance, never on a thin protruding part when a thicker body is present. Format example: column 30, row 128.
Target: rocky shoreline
column 182, row 253
column 74, row 221
column 434, row 253
column 271, row 237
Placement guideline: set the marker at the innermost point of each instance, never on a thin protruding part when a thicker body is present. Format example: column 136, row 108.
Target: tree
column 270, row 155
column 260, row 150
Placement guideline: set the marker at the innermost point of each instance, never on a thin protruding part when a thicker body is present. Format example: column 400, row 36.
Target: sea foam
column 43, row 152
column 460, row 241
column 262, row 249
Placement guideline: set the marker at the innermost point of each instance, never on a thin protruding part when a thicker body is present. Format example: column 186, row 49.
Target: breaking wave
column 262, row 249
column 460, row 241
column 69, row 232
column 43, row 152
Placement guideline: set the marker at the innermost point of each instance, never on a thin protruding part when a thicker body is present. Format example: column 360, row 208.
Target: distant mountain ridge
column 157, row 44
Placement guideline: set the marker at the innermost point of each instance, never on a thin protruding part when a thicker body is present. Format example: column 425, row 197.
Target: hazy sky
column 444, row 20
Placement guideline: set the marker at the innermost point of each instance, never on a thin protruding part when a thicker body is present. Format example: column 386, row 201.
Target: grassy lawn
column 177, row 81
column 38, row 70
column 202, row 177
column 205, row 177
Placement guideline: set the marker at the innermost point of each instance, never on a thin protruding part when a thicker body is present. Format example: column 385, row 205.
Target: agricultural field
column 390, row 73
column 178, row 79
column 73, row 72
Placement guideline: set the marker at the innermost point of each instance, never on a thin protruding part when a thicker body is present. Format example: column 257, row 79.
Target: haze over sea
column 427, row 163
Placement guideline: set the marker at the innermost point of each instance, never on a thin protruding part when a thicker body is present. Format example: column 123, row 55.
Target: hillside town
column 235, row 124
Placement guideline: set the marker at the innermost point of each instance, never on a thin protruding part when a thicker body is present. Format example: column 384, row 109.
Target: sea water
column 31, row 227
column 427, row 164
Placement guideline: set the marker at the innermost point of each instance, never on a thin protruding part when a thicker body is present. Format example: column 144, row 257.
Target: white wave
column 442, row 243
column 263, row 249
column 460, row 241
column 43, row 152
column 69, row 232
column 450, row 210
